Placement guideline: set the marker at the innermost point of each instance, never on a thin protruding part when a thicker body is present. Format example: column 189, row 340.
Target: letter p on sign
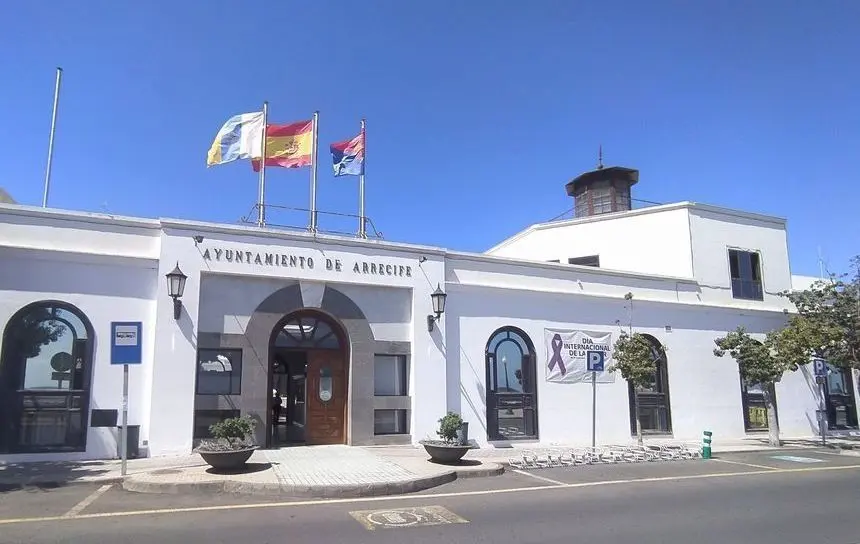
column 594, row 361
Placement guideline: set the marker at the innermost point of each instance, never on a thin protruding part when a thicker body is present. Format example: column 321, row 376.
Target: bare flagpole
column 315, row 128
column 51, row 139
column 261, row 198
column 362, row 219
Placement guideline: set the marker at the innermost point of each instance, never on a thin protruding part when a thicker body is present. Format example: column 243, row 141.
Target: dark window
column 654, row 411
column 204, row 418
column 745, row 268
column 219, row 372
column 511, row 386
column 591, row 260
column 390, row 422
column 390, row 376
column 839, row 400
column 45, row 379
column 754, row 405
column 554, row 261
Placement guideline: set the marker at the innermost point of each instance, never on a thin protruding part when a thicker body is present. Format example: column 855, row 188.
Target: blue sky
column 478, row 112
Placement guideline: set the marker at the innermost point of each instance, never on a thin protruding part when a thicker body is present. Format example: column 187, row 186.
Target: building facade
column 325, row 339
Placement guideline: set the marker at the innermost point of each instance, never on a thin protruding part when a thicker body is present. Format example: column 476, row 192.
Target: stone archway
column 256, row 389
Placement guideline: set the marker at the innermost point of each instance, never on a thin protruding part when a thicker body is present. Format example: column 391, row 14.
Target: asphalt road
column 810, row 497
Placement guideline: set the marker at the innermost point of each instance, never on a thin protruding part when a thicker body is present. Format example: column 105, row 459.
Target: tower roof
column 608, row 173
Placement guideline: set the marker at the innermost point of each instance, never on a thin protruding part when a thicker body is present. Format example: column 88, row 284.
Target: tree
column 759, row 363
column 827, row 323
column 635, row 357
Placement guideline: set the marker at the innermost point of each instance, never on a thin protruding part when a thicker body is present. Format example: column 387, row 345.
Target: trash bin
column 132, row 441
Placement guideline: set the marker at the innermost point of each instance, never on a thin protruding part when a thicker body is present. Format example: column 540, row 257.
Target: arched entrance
column 655, row 411
column 511, row 386
column 308, row 380
column 45, row 375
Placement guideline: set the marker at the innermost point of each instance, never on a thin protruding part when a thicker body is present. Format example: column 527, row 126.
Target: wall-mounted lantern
column 175, row 288
column 437, row 297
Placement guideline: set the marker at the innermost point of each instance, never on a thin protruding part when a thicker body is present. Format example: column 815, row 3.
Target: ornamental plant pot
column 228, row 460
column 445, row 453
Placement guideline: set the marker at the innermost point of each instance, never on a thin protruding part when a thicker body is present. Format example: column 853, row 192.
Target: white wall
column 647, row 241
column 715, row 233
column 704, row 390
column 104, row 289
column 232, row 290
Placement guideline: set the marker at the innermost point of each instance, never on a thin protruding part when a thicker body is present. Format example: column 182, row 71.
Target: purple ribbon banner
column 556, row 345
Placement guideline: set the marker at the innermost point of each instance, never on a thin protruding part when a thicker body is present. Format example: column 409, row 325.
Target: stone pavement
column 318, row 471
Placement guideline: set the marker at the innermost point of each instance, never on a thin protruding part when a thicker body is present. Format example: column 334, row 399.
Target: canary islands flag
column 348, row 156
column 241, row 137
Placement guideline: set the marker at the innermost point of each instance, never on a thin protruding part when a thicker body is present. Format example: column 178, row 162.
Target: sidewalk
column 319, row 471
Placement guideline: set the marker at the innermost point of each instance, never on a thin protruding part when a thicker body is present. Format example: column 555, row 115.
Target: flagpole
column 362, row 220
column 261, row 197
column 51, row 138
column 313, row 225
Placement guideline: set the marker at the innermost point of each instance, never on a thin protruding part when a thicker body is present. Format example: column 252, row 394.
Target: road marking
column 796, row 459
column 78, row 508
column 427, row 496
column 745, row 464
column 541, row 478
column 396, row 518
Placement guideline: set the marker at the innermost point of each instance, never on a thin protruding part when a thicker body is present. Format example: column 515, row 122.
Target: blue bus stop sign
column 125, row 343
column 595, row 360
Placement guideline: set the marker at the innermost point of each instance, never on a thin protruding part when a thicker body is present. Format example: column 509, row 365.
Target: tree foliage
column 827, row 323
column 635, row 359
column 756, row 360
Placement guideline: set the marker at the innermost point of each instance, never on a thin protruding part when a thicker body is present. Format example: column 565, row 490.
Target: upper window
column 591, row 260
column 219, row 372
column 745, row 267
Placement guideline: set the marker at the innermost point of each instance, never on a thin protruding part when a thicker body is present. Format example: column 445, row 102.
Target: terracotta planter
column 227, row 460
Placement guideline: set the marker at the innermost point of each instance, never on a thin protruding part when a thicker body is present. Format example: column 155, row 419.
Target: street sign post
column 125, row 349
column 594, row 361
column 819, row 366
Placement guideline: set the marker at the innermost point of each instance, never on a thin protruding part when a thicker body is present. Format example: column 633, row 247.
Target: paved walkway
column 317, row 471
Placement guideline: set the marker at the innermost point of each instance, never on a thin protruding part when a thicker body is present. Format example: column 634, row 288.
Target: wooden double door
column 326, row 397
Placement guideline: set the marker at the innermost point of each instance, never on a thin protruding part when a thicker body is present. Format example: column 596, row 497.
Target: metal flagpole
column 313, row 225
column 362, row 220
column 261, row 198
column 51, row 139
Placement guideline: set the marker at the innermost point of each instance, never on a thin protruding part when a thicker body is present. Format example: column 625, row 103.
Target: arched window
column 655, row 413
column 511, row 386
column 45, row 369
column 307, row 331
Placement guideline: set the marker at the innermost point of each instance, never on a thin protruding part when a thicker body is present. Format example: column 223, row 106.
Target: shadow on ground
column 47, row 475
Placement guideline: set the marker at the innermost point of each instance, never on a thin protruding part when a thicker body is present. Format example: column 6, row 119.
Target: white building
column 338, row 326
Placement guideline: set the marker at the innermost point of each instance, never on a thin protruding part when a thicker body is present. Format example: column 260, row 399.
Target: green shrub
column 234, row 428
column 449, row 425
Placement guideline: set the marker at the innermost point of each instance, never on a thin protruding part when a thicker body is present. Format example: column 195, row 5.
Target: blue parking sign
column 820, row 367
column 595, row 360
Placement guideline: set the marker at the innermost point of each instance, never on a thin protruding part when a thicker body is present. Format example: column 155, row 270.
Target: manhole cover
column 166, row 471
column 406, row 517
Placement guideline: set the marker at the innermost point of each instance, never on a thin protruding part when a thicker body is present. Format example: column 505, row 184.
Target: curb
column 275, row 489
column 18, row 485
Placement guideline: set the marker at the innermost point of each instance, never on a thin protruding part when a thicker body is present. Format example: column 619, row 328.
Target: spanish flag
column 288, row 146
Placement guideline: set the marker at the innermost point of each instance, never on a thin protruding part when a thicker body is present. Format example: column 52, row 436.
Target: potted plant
column 453, row 445
column 232, row 445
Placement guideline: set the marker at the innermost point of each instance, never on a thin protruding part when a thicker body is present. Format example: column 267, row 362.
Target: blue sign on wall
column 125, row 342
column 594, row 360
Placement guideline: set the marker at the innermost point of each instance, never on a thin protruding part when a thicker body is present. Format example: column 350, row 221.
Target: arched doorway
column 511, row 386
column 308, row 380
column 654, row 409
column 45, row 370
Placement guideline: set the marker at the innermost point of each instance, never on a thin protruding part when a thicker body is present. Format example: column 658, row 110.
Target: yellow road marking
column 745, row 464
column 433, row 496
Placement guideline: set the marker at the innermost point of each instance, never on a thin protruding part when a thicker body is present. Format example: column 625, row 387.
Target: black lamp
column 437, row 297
column 175, row 288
